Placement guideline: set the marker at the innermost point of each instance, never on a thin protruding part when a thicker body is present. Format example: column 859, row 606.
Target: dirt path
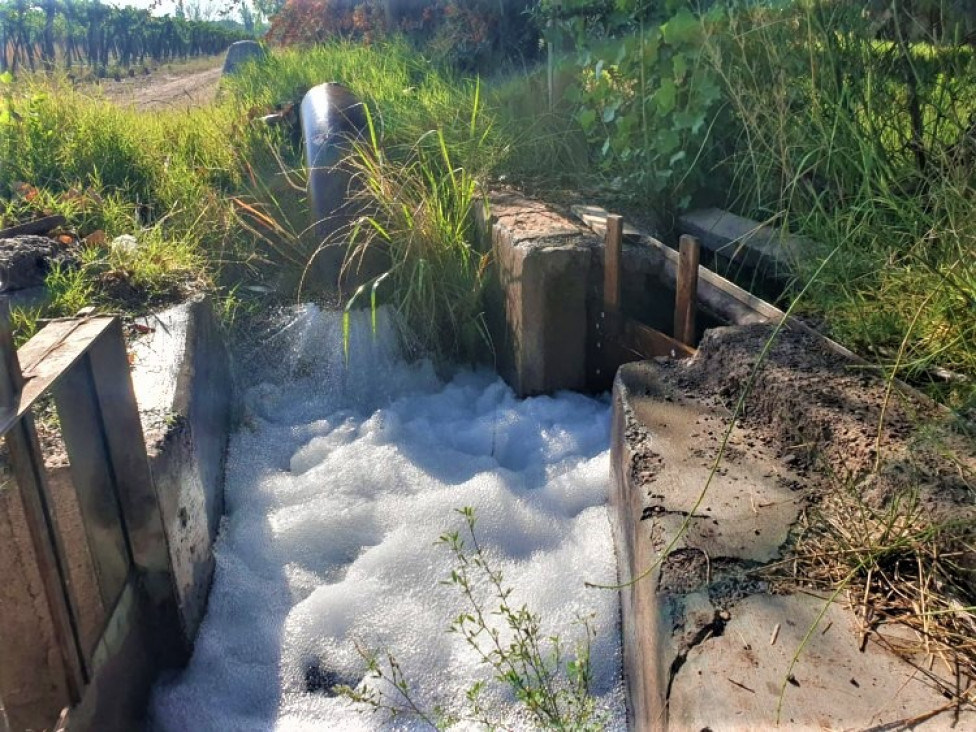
column 171, row 88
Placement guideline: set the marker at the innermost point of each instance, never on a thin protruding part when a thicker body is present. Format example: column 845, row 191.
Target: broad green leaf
column 586, row 118
column 665, row 96
column 683, row 28
column 652, row 44
column 666, row 141
column 680, row 63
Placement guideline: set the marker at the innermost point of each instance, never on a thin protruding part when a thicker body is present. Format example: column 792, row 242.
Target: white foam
column 338, row 486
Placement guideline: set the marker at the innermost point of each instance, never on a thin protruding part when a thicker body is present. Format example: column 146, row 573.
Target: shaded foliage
column 472, row 35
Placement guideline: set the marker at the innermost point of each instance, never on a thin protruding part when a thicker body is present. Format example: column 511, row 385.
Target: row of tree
column 47, row 33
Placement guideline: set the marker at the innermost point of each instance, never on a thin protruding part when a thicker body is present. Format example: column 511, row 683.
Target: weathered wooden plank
column 39, row 227
column 134, row 482
column 47, row 356
column 94, row 481
column 613, row 254
column 28, row 470
column 686, row 293
column 649, row 343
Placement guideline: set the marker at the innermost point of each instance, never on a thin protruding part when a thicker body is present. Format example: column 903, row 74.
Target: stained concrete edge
column 537, row 293
column 182, row 380
column 705, row 644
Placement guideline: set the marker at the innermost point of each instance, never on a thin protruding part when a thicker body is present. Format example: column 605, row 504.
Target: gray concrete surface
column 182, row 381
column 240, row 52
column 706, row 646
column 743, row 247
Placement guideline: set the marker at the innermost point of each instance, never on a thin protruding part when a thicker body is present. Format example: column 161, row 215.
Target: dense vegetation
column 850, row 124
column 47, row 33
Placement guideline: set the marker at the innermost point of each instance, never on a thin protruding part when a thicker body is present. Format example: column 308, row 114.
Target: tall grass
column 161, row 177
column 420, row 216
column 869, row 147
column 435, row 140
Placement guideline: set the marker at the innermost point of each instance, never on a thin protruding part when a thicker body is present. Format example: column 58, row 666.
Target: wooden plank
column 47, row 356
column 613, row 254
column 725, row 298
column 28, row 470
column 40, row 226
column 136, row 490
column 686, row 293
column 650, row 343
column 94, row 480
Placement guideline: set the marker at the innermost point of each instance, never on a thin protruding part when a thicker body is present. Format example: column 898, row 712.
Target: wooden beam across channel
column 47, row 356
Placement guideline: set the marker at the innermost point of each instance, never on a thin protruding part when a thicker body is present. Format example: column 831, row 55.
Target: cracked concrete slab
column 697, row 630
column 742, row 678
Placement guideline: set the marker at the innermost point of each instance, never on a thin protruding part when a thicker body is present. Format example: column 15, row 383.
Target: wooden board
column 93, row 478
column 47, row 356
column 686, row 294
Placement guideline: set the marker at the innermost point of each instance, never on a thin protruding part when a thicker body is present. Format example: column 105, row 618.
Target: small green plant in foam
column 552, row 685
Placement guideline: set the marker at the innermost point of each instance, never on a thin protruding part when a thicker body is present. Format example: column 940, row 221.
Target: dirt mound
column 823, row 411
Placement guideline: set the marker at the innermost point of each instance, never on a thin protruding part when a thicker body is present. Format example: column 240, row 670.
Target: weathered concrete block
column 182, row 381
column 539, row 295
column 240, row 52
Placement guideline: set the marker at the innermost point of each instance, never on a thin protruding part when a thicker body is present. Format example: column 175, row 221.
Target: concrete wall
column 183, row 384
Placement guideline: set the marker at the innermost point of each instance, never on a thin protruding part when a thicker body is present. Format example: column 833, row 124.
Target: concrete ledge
column 698, row 631
column 746, row 249
column 182, row 381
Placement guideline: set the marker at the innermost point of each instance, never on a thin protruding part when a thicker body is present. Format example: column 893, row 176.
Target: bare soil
column 822, row 411
column 177, row 86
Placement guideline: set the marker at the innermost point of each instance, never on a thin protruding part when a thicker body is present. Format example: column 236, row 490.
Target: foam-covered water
column 339, row 483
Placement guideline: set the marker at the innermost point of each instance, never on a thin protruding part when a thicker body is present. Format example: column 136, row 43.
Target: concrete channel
column 706, row 645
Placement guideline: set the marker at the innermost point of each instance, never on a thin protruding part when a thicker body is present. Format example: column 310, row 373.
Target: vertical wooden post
column 686, row 297
column 136, row 490
column 613, row 253
column 28, row 469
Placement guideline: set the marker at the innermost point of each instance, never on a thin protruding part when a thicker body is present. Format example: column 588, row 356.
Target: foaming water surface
column 339, row 483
